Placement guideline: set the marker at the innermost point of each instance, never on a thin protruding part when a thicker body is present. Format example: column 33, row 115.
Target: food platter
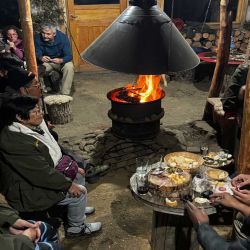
column 184, row 160
column 217, row 159
column 216, row 174
column 170, row 182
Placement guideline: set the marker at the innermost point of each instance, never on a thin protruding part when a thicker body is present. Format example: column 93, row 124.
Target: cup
column 142, row 184
column 141, row 166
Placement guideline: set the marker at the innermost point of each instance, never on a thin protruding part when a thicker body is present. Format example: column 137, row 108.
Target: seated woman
column 12, row 37
column 29, row 156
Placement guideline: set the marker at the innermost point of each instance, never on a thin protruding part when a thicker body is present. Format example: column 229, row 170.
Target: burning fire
column 146, row 89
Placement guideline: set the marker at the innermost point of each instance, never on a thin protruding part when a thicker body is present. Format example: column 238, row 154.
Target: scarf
column 46, row 138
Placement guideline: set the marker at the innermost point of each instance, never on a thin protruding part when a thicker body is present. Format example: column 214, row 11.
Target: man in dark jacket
column 234, row 94
column 18, row 234
column 54, row 52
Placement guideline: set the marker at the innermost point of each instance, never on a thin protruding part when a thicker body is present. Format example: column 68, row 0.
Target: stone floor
column 126, row 222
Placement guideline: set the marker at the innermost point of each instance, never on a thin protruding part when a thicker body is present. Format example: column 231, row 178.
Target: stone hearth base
column 101, row 147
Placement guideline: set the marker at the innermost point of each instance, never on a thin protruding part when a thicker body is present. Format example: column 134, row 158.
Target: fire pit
column 136, row 109
column 143, row 41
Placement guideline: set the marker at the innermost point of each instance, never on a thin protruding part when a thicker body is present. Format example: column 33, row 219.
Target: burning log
column 124, row 95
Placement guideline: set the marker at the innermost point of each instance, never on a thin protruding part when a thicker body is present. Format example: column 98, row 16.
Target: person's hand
column 33, row 234
column 242, row 92
column 57, row 60
column 241, row 180
column 224, row 199
column 242, row 195
column 196, row 215
column 21, row 226
column 76, row 190
column 20, row 223
column 45, row 59
column 81, row 171
column 218, row 109
column 11, row 44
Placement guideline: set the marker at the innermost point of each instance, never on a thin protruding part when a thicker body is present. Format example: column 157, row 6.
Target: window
column 196, row 10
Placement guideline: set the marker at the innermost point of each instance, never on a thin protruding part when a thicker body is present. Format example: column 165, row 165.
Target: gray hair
column 49, row 26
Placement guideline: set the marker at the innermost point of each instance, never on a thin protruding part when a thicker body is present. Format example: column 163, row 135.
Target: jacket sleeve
column 38, row 48
column 19, row 52
column 67, row 54
column 28, row 160
column 7, row 215
column 16, row 242
column 210, row 240
column 238, row 80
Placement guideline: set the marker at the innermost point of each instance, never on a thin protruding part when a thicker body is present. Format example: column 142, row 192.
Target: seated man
column 54, row 52
column 29, row 156
column 229, row 111
column 17, row 234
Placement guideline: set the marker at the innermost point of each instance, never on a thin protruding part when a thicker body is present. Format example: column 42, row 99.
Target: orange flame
column 146, row 89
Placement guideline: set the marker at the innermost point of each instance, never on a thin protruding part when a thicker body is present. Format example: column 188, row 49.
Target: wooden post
column 29, row 47
column 222, row 55
column 243, row 165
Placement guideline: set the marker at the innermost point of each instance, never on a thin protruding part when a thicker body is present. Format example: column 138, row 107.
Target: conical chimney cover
column 142, row 40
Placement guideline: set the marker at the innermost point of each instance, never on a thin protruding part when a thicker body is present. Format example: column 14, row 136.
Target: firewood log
column 247, row 34
column 237, row 32
column 243, row 47
column 235, row 39
column 189, row 41
column 208, row 44
column 213, row 49
column 196, row 44
column 211, row 37
column 245, row 40
column 205, row 35
column 197, row 37
column 237, row 45
column 241, row 36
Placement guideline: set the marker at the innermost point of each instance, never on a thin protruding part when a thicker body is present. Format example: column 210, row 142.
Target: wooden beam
column 243, row 165
column 27, row 29
column 226, row 19
column 29, row 47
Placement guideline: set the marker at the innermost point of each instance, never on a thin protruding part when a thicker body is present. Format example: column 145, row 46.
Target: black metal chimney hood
column 142, row 40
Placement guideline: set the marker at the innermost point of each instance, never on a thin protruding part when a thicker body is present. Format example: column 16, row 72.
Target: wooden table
column 171, row 228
